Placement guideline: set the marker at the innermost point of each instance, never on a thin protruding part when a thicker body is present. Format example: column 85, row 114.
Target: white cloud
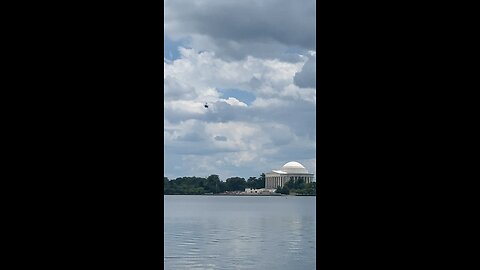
column 235, row 102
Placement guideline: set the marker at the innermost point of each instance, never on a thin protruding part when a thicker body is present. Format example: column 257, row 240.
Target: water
column 228, row 232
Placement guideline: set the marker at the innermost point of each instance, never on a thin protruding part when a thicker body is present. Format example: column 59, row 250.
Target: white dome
column 294, row 167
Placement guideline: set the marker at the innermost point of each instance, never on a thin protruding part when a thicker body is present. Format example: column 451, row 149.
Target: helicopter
column 206, row 105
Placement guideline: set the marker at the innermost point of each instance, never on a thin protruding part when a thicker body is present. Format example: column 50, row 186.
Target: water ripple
column 270, row 234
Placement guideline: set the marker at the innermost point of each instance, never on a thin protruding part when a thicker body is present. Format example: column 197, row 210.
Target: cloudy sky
column 254, row 63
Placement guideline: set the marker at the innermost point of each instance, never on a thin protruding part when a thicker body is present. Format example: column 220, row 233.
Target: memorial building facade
column 290, row 171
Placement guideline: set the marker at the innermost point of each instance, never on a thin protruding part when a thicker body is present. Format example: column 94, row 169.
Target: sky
column 254, row 63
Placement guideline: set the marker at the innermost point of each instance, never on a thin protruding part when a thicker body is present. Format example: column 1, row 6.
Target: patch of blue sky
column 293, row 54
column 295, row 50
column 170, row 48
column 242, row 95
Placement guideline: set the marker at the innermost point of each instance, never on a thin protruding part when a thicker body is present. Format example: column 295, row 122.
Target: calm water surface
column 227, row 232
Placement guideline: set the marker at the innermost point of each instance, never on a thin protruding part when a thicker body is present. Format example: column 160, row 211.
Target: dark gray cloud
column 307, row 78
column 221, row 138
column 235, row 29
column 191, row 137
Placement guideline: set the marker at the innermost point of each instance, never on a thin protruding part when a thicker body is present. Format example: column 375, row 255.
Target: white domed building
column 290, row 171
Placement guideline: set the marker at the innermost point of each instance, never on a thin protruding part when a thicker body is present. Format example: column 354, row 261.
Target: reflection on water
column 221, row 232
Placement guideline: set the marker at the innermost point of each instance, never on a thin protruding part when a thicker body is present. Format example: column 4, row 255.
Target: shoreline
column 243, row 195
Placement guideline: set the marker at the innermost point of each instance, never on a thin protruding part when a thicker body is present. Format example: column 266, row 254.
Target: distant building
column 290, row 171
column 256, row 191
column 260, row 191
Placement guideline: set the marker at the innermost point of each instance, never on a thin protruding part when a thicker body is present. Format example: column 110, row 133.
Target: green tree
column 299, row 183
column 235, row 184
column 251, row 182
column 165, row 185
column 212, row 184
column 261, row 181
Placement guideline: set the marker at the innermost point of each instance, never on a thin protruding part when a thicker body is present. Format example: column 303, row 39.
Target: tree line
column 213, row 185
column 298, row 187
